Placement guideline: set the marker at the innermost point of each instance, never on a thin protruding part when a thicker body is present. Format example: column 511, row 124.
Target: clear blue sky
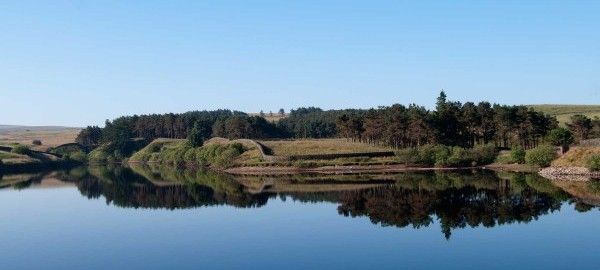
column 79, row 62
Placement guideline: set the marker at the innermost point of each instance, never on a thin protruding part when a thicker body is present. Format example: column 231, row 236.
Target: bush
column 196, row 138
column 78, row 156
column 427, row 155
column 442, row 154
column 20, row 149
column 517, row 154
column 36, row 142
column 484, row 154
column 541, row 156
column 593, row 163
column 560, row 137
column 445, row 156
column 408, row 156
column 459, row 157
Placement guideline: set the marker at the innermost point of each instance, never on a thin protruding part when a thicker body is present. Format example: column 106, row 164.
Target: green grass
column 319, row 146
column 6, row 155
column 216, row 152
column 100, row 155
column 563, row 113
column 151, row 151
column 14, row 158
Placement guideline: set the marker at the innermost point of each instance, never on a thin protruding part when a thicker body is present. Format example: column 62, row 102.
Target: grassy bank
column 576, row 157
column 308, row 154
column 319, row 146
column 218, row 153
column 25, row 160
column 563, row 113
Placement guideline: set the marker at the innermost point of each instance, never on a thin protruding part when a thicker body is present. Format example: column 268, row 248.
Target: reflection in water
column 457, row 200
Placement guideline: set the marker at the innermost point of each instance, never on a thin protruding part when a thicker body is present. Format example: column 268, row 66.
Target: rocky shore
column 570, row 173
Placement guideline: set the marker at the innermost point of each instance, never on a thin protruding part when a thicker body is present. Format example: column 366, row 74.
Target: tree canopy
column 451, row 123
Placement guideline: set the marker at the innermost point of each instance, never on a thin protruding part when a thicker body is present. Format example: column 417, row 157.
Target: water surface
column 160, row 218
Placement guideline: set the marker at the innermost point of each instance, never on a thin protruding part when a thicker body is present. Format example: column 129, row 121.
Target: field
column 50, row 136
column 564, row 112
column 319, row 146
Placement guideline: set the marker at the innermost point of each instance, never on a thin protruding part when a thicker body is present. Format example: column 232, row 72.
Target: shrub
column 594, row 186
column 78, row 156
column 517, row 155
column 20, row 149
column 427, row 155
column 442, row 154
column 593, row 163
column 484, row 154
column 560, row 137
column 36, row 142
column 541, row 156
column 195, row 138
column 504, row 158
column 408, row 156
column 445, row 156
column 459, row 157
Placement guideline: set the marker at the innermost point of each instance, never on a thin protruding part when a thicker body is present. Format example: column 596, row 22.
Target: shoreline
column 569, row 173
column 37, row 166
column 284, row 170
column 575, row 174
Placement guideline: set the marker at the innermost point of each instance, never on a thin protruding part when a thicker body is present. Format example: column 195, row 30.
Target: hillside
column 564, row 112
column 49, row 135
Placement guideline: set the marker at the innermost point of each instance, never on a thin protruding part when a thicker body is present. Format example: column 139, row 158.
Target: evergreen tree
column 196, row 138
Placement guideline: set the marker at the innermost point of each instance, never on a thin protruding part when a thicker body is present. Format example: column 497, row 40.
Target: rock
column 568, row 173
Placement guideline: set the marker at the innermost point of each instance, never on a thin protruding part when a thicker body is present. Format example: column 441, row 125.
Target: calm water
column 148, row 218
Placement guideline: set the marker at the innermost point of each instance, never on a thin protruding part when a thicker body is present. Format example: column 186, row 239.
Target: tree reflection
column 456, row 202
column 125, row 188
column 453, row 200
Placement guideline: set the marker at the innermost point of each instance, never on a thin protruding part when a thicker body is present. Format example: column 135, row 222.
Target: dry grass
column 274, row 118
column 563, row 113
column 319, row 146
column 12, row 158
column 576, row 157
column 50, row 137
column 7, row 155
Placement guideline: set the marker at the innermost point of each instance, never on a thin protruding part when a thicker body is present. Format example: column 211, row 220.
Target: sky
column 77, row 63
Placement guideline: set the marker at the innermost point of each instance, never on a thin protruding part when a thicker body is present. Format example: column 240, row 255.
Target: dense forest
column 451, row 123
column 221, row 123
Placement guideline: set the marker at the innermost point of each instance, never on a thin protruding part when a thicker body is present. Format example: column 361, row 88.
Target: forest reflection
column 455, row 199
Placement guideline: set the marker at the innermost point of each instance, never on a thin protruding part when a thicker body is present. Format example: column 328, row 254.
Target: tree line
column 450, row 123
column 584, row 127
column 221, row 123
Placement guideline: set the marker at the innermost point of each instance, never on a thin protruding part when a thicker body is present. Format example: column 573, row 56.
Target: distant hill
column 49, row 135
column 15, row 128
column 564, row 112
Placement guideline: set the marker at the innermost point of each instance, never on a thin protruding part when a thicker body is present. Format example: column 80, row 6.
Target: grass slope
column 216, row 152
column 576, row 157
column 319, row 146
column 8, row 158
column 564, row 112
